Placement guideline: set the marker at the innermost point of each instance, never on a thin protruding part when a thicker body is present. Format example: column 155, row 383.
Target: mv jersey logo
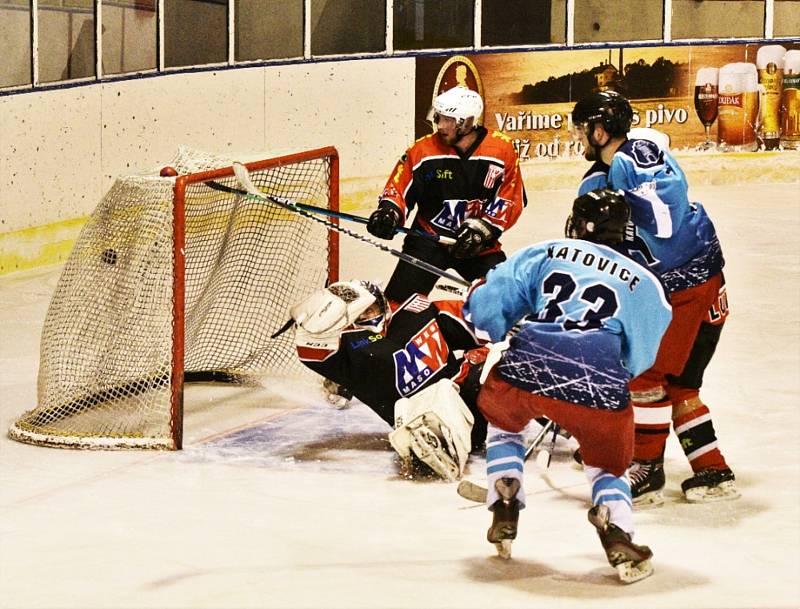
column 423, row 356
column 498, row 210
column 454, row 211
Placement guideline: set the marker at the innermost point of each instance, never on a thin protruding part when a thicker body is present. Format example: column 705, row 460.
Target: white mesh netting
column 106, row 365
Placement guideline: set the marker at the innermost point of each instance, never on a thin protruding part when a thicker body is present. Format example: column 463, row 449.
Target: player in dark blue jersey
column 675, row 238
column 413, row 363
column 589, row 320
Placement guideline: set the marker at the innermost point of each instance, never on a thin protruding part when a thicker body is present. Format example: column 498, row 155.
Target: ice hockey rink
column 278, row 501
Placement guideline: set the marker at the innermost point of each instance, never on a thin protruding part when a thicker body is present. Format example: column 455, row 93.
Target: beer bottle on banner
column 790, row 101
column 738, row 106
column 769, row 61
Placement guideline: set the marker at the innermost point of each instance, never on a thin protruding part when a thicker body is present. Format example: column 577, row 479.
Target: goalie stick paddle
column 335, row 214
column 243, row 176
column 477, row 493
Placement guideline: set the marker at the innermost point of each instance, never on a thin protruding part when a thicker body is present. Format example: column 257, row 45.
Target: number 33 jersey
column 589, row 318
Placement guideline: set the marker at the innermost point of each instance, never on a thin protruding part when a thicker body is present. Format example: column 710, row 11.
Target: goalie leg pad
column 436, row 425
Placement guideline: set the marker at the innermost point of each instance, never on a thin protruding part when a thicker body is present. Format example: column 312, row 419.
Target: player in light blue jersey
column 590, row 318
column 676, row 239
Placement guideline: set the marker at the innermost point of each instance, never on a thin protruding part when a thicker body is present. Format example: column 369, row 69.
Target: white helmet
column 459, row 103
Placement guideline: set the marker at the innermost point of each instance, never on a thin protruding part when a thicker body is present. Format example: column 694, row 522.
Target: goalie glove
column 472, row 236
column 338, row 396
column 321, row 317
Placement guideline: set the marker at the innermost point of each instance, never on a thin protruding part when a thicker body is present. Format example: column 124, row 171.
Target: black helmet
column 600, row 216
column 607, row 107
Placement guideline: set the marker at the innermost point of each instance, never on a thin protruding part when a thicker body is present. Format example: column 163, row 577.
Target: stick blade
column 243, row 177
column 471, row 491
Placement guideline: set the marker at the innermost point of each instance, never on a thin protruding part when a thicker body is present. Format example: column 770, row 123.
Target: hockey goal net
column 174, row 279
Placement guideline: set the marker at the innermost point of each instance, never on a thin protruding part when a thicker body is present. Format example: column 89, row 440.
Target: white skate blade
column 649, row 501
column 725, row 491
column 503, row 549
column 630, row 572
column 543, row 458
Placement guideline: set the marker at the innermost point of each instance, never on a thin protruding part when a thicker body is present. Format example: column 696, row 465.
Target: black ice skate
column 505, row 515
column 710, row 485
column 631, row 561
column 647, row 483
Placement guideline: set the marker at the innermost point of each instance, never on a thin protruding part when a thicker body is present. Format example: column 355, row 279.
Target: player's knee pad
column 649, row 395
column 685, row 400
column 435, row 424
column 651, row 406
column 652, row 416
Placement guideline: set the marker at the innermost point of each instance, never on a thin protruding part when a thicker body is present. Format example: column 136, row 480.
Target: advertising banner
column 727, row 97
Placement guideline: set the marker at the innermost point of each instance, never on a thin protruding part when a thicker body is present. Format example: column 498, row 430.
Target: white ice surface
column 278, row 501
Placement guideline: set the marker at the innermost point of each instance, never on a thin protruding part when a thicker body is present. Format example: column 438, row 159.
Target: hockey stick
column 477, row 493
column 243, row 176
column 450, row 288
column 335, row 214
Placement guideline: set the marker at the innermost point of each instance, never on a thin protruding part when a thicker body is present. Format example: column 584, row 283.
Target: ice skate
column 505, row 515
column 631, row 561
column 647, row 483
column 710, row 485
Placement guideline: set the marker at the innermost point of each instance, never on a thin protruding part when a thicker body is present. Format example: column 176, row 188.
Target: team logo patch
column 418, row 304
column 492, row 174
column 646, row 153
column 423, row 356
column 454, row 211
column 719, row 310
column 498, row 209
column 390, row 192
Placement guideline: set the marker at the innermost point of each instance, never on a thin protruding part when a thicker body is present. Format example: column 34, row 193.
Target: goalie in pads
column 408, row 365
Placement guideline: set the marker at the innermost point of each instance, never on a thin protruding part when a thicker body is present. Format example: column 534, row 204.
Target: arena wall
column 61, row 148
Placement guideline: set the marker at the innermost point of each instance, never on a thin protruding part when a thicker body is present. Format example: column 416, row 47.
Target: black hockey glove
column 384, row 220
column 472, row 237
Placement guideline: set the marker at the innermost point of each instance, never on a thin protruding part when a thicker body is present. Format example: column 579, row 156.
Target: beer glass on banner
column 790, row 101
column 769, row 61
column 705, row 100
column 738, row 106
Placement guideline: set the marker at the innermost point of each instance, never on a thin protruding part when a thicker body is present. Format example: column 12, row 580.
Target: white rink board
column 61, row 149
column 278, row 502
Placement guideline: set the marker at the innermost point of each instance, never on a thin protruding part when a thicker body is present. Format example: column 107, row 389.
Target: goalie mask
column 599, row 216
column 375, row 316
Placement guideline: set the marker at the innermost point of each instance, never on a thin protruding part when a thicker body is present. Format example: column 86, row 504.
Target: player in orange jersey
column 466, row 184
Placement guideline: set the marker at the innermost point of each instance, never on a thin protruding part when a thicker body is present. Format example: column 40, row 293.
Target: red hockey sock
column 651, row 421
column 696, row 434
